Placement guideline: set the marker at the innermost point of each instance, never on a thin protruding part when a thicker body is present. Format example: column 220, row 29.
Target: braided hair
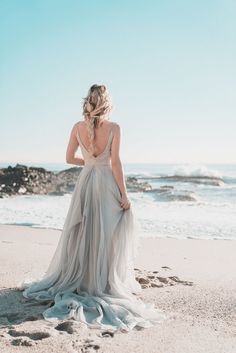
column 96, row 108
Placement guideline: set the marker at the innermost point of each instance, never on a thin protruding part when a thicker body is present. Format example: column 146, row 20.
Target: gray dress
column 91, row 275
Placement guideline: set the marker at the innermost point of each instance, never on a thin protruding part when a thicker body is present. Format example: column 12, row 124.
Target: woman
column 91, row 275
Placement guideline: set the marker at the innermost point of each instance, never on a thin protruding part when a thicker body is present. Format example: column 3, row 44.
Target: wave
column 196, row 171
column 192, row 174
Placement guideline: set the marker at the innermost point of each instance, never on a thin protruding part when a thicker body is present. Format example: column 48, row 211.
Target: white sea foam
column 196, row 171
column 184, row 219
column 210, row 216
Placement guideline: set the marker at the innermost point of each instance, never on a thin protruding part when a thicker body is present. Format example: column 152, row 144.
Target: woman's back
column 103, row 151
column 102, row 134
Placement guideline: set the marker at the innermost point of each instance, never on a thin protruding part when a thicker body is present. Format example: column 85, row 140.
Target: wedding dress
column 91, row 275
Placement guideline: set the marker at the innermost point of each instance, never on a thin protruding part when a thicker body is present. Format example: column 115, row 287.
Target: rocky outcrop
column 199, row 179
column 24, row 180
column 133, row 184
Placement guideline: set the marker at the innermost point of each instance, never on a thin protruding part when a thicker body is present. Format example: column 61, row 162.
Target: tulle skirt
column 91, row 275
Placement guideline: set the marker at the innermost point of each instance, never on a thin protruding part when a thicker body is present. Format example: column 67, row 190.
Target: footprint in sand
column 35, row 336
column 66, row 326
column 86, row 346
column 176, row 279
column 90, row 346
column 149, row 279
column 22, row 342
column 107, row 334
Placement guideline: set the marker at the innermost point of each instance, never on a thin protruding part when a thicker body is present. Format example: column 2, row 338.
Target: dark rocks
column 133, row 184
column 200, row 179
column 24, row 180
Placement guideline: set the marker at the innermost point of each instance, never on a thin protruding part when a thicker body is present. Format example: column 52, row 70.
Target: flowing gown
column 91, row 275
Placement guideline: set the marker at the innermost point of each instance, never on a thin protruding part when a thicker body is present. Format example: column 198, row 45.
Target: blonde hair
column 96, row 108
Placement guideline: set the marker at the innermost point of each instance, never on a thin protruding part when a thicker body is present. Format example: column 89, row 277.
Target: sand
column 194, row 283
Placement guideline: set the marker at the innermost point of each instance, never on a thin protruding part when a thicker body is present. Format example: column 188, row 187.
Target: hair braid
column 96, row 108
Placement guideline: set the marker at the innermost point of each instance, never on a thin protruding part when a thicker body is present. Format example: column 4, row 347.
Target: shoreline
column 145, row 237
column 197, row 287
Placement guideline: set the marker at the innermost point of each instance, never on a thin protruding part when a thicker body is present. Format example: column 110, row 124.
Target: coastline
column 197, row 294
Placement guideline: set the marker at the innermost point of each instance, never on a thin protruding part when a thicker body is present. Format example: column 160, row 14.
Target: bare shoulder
column 114, row 123
column 76, row 126
column 78, row 123
column 116, row 127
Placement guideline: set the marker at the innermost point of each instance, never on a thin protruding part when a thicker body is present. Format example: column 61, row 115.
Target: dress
column 91, row 275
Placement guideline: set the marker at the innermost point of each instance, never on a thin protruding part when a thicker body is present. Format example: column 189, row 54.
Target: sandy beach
column 192, row 281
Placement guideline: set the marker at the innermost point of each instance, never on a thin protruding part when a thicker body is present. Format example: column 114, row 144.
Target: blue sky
column 169, row 66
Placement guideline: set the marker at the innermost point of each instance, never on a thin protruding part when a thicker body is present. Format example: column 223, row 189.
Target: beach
column 103, row 100
column 192, row 280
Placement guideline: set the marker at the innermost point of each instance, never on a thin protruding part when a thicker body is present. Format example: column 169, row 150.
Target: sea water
column 186, row 201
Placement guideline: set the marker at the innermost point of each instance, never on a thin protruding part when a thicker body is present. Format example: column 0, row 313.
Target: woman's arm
column 117, row 168
column 72, row 147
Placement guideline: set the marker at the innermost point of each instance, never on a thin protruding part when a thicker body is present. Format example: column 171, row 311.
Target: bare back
column 101, row 136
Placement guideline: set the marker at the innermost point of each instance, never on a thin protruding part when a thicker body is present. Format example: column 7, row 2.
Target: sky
column 168, row 65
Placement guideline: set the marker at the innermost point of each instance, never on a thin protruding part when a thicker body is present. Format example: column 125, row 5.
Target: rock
column 200, row 179
column 24, row 180
column 33, row 180
column 22, row 190
column 133, row 184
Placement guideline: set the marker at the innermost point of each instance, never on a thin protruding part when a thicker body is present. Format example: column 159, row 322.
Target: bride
column 91, row 276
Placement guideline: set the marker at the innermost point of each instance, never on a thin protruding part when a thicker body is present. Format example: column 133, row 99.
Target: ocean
column 186, row 201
